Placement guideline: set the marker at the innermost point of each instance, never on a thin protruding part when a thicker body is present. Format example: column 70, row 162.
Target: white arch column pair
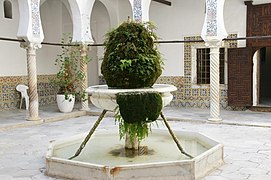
column 30, row 30
column 81, row 11
column 213, row 33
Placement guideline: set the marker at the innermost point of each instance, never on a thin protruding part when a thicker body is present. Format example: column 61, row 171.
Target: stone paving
column 245, row 135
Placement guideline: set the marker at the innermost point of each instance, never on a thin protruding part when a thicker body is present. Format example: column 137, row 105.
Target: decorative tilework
column 35, row 17
column 211, row 17
column 232, row 43
column 200, row 97
column 137, row 10
column 47, row 92
column 10, row 98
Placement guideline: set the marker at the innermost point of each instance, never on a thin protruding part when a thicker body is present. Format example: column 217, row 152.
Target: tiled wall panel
column 10, row 98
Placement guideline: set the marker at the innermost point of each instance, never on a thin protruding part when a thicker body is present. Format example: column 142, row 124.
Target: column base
column 85, row 109
column 33, row 118
column 215, row 120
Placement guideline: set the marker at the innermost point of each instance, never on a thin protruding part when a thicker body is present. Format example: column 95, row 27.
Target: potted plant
column 69, row 77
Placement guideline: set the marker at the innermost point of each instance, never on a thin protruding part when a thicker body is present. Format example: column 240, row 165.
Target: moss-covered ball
column 131, row 59
column 139, row 107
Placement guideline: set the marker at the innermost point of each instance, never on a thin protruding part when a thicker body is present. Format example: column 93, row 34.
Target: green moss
column 131, row 59
column 139, row 107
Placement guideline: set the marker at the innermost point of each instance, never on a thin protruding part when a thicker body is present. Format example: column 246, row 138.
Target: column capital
column 30, row 45
column 213, row 27
column 30, row 27
column 214, row 43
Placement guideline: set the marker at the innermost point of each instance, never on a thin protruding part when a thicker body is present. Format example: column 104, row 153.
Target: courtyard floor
column 246, row 137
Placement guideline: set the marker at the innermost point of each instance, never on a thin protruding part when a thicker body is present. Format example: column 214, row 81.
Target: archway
column 261, row 77
column 100, row 24
column 56, row 20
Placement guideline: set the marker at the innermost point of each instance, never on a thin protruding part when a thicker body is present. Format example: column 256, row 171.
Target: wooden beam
column 163, row 2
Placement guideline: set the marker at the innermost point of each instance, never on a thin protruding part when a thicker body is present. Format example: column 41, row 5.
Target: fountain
column 162, row 155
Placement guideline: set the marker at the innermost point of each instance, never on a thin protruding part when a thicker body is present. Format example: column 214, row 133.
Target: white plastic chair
column 23, row 90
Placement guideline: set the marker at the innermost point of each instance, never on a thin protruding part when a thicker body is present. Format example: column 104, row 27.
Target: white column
column 213, row 32
column 84, row 70
column 214, row 81
column 30, row 30
column 81, row 11
column 32, row 81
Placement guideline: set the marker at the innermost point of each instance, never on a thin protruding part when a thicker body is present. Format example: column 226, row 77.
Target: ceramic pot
column 65, row 105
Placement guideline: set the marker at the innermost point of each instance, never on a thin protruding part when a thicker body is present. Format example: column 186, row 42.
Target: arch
column 65, row 21
column 56, row 20
column 7, row 9
column 100, row 24
column 256, row 59
column 111, row 12
column 261, row 74
column 65, row 2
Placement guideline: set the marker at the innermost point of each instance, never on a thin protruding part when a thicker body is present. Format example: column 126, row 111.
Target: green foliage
column 131, row 58
column 69, row 77
column 136, row 110
column 138, row 130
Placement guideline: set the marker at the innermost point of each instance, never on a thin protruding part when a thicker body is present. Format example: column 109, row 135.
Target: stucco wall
column 100, row 25
column 13, row 58
column 51, row 17
column 185, row 18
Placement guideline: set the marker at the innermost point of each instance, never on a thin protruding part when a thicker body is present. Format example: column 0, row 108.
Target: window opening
column 203, row 65
column 7, row 9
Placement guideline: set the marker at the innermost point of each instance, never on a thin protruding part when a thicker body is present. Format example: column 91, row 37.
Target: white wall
column 235, row 19
column 100, row 25
column 185, row 18
column 12, row 57
column 124, row 10
column 52, row 12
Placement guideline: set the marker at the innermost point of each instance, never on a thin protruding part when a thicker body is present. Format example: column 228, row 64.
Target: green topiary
column 131, row 59
column 139, row 107
column 136, row 110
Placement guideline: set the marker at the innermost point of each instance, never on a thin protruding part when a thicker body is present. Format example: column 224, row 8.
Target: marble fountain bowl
column 105, row 98
column 105, row 158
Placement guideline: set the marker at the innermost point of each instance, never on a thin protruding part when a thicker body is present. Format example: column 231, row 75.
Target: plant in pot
column 132, row 60
column 69, row 77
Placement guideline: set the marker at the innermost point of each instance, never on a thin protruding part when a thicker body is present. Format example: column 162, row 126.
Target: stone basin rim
column 161, row 88
column 198, row 167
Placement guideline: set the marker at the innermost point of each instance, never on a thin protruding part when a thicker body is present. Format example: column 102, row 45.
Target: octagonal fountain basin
column 104, row 157
column 105, row 98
